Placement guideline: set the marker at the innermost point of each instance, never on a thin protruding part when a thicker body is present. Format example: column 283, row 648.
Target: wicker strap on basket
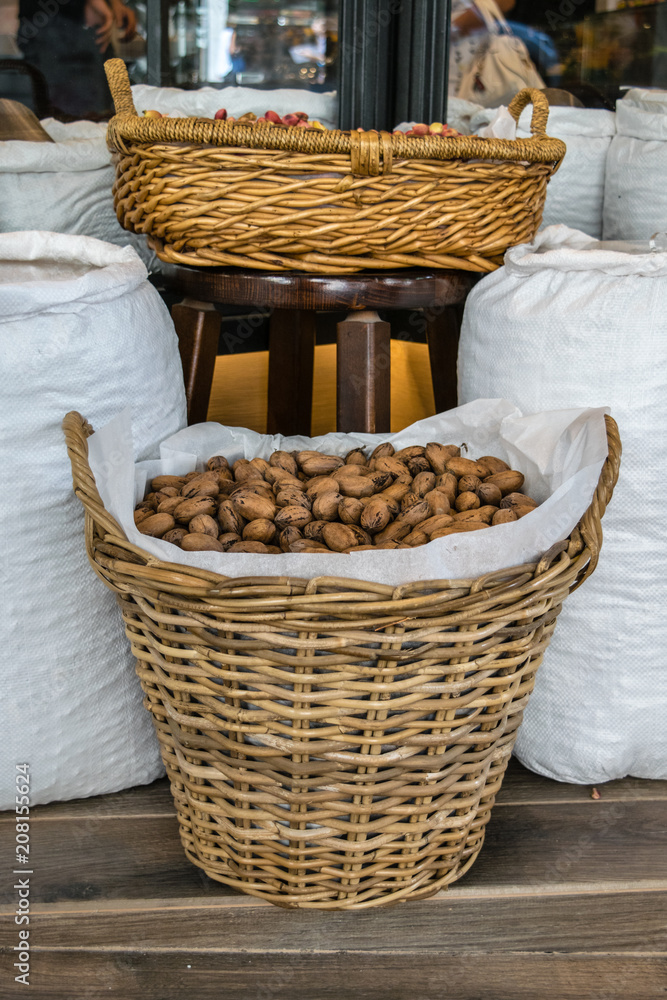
column 212, row 193
column 333, row 743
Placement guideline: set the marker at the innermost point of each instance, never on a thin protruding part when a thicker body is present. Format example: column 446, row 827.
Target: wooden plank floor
column 568, row 899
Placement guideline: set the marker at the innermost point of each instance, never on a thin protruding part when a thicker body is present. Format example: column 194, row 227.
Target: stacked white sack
column 64, row 186
column 635, row 202
column 80, row 329
column 563, row 325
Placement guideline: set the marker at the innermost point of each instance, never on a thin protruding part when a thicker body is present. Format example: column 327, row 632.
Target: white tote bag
column 502, row 67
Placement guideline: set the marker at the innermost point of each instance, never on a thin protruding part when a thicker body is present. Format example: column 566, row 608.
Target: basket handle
column 119, row 85
column 590, row 525
column 530, row 95
column 77, row 431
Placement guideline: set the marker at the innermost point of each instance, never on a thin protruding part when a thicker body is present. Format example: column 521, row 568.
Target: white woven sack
column 575, row 193
column 561, row 325
column 205, row 101
column 64, row 186
column 80, row 329
column 635, row 202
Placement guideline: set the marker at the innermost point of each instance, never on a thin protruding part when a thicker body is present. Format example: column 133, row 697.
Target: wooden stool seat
column 363, row 339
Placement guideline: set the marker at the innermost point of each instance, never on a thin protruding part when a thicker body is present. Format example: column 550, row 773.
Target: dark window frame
column 393, row 59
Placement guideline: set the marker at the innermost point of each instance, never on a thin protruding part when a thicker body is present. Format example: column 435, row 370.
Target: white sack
column 561, row 454
column 460, row 114
column 80, row 329
column 575, row 193
column 206, row 101
column 64, row 186
column 562, row 325
column 635, row 203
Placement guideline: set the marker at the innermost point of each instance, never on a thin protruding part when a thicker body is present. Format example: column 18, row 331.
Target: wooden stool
column 363, row 339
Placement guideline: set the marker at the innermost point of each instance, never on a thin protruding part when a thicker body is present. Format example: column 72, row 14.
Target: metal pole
column 157, row 42
column 367, row 33
column 422, row 65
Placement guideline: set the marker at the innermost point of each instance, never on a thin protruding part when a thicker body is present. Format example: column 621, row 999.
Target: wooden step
column 568, row 899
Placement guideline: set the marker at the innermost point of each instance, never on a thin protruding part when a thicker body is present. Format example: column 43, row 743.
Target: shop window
column 52, row 51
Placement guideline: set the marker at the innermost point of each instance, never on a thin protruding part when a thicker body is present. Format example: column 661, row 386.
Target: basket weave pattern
column 333, row 743
column 214, row 193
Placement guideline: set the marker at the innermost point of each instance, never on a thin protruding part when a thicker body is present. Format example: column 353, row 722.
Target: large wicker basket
column 213, row 193
column 332, row 743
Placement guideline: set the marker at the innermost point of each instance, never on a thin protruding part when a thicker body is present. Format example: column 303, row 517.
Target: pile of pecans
column 307, row 501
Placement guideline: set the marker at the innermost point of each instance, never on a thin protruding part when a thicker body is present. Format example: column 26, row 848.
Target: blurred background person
column 468, row 32
column 68, row 43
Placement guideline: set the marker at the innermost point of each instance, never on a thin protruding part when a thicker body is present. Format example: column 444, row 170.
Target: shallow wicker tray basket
column 213, row 193
column 332, row 743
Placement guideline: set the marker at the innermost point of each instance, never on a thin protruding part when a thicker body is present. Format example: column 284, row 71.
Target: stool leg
column 442, row 334
column 291, row 359
column 198, row 328
column 363, row 373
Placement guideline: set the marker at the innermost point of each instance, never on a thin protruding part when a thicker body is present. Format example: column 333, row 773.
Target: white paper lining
column 560, row 452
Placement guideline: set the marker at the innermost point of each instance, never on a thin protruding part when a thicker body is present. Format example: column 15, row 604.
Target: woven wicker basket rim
column 186, row 580
column 127, row 127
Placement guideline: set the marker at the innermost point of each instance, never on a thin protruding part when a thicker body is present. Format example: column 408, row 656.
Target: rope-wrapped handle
column 119, row 85
column 540, row 117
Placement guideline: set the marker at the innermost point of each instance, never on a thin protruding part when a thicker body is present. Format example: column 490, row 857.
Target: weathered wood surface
column 552, row 922
column 567, row 900
column 177, row 975
column 528, row 848
column 198, row 328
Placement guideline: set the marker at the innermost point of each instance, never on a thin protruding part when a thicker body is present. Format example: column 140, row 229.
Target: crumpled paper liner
column 560, row 453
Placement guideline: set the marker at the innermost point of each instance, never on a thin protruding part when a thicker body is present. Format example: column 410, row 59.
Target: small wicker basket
column 213, row 193
column 332, row 743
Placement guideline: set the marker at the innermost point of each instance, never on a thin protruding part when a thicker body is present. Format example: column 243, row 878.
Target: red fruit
column 420, row 130
column 301, row 115
column 303, row 124
column 290, row 120
column 221, row 114
column 273, row 116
